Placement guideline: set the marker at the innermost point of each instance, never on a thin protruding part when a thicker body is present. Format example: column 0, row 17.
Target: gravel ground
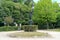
column 55, row 36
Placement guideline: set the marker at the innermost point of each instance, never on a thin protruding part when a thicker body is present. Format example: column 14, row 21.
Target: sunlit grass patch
column 56, row 30
column 29, row 34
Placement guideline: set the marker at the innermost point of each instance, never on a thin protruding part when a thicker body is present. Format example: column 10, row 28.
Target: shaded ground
column 55, row 36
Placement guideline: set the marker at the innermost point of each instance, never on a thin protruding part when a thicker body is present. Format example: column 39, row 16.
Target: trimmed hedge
column 30, row 28
column 8, row 28
column 27, row 28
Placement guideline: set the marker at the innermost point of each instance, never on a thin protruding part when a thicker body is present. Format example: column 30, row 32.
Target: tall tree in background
column 44, row 12
column 57, row 9
column 18, row 10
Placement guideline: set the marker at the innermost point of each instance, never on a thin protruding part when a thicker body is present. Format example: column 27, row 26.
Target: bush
column 30, row 28
column 8, row 28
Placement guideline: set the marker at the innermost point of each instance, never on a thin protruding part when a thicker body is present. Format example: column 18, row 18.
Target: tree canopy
column 44, row 12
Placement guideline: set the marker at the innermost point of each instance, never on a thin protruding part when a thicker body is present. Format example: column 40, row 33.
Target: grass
column 57, row 30
column 29, row 34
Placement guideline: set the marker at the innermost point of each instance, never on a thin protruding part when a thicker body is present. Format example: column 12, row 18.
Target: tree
column 19, row 11
column 44, row 12
column 57, row 7
column 8, row 20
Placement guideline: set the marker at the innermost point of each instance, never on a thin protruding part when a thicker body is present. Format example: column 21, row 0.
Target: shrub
column 8, row 28
column 30, row 28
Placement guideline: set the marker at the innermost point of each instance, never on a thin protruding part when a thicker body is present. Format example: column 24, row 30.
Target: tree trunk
column 4, row 24
column 52, row 26
column 16, row 24
column 18, row 27
column 8, row 25
column 47, row 25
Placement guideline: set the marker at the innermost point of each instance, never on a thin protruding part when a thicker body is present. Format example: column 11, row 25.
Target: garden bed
column 29, row 34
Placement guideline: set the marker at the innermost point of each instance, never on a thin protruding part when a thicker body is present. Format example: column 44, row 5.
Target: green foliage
column 30, row 28
column 58, row 19
column 8, row 28
column 18, row 11
column 8, row 20
column 44, row 12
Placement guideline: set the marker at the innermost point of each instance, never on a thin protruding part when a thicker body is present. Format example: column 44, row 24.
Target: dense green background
column 46, row 14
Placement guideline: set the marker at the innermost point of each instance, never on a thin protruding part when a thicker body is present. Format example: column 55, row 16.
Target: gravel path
column 55, row 36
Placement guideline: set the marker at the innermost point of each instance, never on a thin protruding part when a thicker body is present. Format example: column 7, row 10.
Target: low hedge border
column 8, row 28
column 30, row 28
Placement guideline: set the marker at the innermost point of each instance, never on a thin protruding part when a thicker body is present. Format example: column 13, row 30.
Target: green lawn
column 29, row 34
column 57, row 30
